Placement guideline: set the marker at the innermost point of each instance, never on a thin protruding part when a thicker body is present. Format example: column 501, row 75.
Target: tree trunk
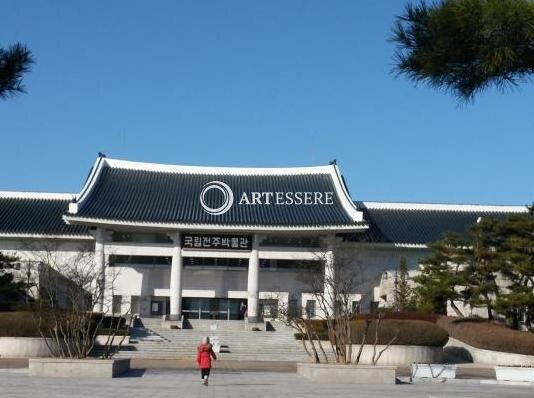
column 456, row 309
column 490, row 312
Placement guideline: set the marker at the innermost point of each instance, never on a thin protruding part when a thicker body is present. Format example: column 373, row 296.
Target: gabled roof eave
column 4, row 235
column 332, row 170
column 71, row 219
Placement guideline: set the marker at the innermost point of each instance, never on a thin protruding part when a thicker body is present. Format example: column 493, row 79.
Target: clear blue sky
column 250, row 83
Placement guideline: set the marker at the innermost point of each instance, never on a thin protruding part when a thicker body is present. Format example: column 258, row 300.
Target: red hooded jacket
column 204, row 354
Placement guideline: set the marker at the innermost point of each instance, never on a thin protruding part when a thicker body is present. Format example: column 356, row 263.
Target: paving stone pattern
column 186, row 383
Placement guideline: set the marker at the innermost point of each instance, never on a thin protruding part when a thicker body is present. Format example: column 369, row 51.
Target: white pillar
column 176, row 279
column 329, row 276
column 100, row 265
column 253, row 281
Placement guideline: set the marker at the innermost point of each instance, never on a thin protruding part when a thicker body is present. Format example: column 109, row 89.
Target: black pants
column 204, row 372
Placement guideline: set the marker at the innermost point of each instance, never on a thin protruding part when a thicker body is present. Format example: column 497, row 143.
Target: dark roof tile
column 170, row 197
column 36, row 216
column 413, row 226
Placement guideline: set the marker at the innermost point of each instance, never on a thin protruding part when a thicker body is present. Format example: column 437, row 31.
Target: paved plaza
column 185, row 383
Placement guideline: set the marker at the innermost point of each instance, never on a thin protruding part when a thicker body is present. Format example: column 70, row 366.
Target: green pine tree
column 481, row 266
column 15, row 61
column 516, row 250
column 403, row 291
column 11, row 291
column 466, row 46
column 441, row 274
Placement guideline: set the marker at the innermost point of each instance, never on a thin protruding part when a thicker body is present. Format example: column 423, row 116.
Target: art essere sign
column 269, row 198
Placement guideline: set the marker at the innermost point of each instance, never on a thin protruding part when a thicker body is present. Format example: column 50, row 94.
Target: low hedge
column 488, row 335
column 408, row 315
column 409, row 332
column 17, row 324
column 118, row 333
column 21, row 324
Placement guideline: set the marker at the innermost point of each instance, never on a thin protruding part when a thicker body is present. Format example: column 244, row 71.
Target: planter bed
column 398, row 354
column 488, row 357
column 24, row 347
column 347, row 374
column 67, row 367
column 514, row 373
column 433, row 371
column 102, row 339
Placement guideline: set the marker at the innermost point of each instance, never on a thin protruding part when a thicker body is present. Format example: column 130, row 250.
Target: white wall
column 129, row 281
column 201, row 282
column 374, row 260
column 377, row 259
column 32, row 251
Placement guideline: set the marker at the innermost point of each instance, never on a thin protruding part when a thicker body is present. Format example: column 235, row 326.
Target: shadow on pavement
column 134, row 373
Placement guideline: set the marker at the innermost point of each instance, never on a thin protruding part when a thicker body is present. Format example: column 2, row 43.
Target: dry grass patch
column 407, row 332
column 17, row 324
column 481, row 333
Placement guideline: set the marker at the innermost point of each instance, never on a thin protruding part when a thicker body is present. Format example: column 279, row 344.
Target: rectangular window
column 135, row 305
column 310, row 308
column 117, row 304
column 293, row 308
column 216, row 262
column 286, row 241
column 139, row 261
column 121, row 236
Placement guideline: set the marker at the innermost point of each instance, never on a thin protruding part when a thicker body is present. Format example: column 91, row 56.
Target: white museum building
column 207, row 242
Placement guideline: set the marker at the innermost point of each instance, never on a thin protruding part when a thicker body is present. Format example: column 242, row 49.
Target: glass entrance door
column 211, row 308
column 159, row 306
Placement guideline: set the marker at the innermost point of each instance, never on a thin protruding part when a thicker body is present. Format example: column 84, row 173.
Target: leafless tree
column 69, row 288
column 333, row 283
column 378, row 353
column 338, row 284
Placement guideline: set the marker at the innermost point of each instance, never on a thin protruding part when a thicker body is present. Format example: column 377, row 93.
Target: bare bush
column 69, row 289
column 334, row 284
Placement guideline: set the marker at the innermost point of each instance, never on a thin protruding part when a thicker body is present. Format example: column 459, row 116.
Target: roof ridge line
column 36, row 195
column 444, row 207
column 220, row 170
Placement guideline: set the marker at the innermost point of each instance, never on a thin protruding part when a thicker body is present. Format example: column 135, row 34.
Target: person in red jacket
column 204, row 354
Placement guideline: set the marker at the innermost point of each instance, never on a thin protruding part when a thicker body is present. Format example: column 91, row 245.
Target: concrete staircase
column 149, row 340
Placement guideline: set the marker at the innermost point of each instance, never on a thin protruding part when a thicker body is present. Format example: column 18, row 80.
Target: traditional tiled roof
column 416, row 224
column 136, row 193
column 120, row 192
column 36, row 214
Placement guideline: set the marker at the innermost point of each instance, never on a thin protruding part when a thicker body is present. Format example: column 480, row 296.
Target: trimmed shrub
column 20, row 324
column 409, row 332
column 118, row 333
column 408, row 315
column 17, row 324
column 488, row 335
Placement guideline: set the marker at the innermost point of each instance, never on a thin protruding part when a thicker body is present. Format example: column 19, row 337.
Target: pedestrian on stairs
column 242, row 310
column 204, row 354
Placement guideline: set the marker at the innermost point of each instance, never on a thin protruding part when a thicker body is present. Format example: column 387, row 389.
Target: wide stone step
column 226, row 338
column 174, row 354
column 228, row 356
column 183, row 352
column 153, row 341
column 223, row 350
column 281, row 359
column 221, row 355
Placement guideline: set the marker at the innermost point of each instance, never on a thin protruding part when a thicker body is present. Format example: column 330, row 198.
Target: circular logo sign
column 228, row 197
